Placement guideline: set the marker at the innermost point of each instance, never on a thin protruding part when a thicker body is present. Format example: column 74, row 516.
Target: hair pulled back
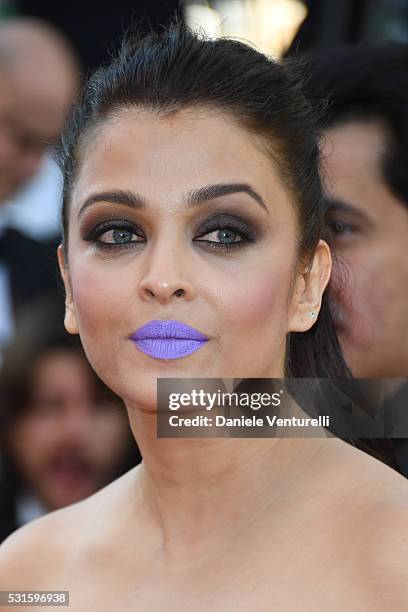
column 178, row 69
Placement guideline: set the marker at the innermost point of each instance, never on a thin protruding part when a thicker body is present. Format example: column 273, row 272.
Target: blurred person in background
column 365, row 159
column 43, row 78
column 63, row 434
column 7, row 159
column 45, row 74
column 8, row 146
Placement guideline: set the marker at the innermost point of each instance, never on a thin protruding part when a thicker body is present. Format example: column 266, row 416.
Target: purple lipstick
column 168, row 339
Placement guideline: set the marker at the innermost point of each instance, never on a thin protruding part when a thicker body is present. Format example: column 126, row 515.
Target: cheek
column 112, row 439
column 358, row 305
column 371, row 297
column 106, row 304
column 32, row 442
column 95, row 293
column 257, row 303
column 101, row 300
column 110, row 431
column 260, row 301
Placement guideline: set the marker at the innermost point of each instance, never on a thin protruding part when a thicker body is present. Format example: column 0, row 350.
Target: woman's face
column 193, row 202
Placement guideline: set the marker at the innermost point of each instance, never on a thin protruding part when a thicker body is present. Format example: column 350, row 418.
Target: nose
column 164, row 278
column 76, row 425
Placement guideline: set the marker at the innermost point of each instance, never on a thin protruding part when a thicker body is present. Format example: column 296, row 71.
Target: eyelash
column 239, row 227
column 103, row 228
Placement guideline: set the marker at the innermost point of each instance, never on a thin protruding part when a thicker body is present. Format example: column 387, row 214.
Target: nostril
column 179, row 292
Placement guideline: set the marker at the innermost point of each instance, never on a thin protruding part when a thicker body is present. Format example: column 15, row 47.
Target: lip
column 168, row 339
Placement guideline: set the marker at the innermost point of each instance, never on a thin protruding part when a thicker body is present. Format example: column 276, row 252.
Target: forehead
column 353, row 173
column 61, row 365
column 355, row 149
column 162, row 157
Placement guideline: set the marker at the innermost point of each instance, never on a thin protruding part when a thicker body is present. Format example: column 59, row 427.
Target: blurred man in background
column 365, row 161
column 8, row 145
column 45, row 76
column 8, row 152
column 43, row 80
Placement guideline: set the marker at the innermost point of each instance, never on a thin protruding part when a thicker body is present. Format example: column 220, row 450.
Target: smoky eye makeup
column 223, row 231
column 113, row 232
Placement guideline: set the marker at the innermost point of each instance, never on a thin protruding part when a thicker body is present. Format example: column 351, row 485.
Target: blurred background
column 272, row 25
column 62, row 434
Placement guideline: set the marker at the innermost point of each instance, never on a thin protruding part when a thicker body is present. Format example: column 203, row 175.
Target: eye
column 227, row 232
column 47, row 406
column 340, row 229
column 119, row 237
column 115, row 234
column 224, row 236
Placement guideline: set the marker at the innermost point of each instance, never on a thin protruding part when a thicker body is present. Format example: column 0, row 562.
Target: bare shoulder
column 31, row 551
column 35, row 555
column 374, row 497
column 385, row 532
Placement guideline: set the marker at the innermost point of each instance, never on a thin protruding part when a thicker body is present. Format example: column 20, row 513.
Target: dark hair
column 178, row 69
column 368, row 82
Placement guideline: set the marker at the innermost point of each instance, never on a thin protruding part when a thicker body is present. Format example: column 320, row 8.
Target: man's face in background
column 39, row 114
column 44, row 72
column 368, row 227
column 8, row 144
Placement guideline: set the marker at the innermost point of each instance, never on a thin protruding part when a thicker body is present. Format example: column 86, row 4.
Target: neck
column 201, row 491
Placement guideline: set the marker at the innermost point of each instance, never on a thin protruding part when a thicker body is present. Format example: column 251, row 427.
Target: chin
column 143, row 398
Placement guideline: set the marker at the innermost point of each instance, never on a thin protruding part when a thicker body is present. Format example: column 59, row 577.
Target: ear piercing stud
column 163, row 284
column 313, row 314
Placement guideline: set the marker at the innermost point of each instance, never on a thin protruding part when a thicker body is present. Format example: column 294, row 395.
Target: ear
column 70, row 321
column 308, row 291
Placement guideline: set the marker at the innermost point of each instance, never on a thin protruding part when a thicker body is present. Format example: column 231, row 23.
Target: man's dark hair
column 368, row 82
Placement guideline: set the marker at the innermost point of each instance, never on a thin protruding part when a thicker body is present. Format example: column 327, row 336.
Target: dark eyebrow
column 334, row 205
column 126, row 198
column 204, row 194
column 195, row 197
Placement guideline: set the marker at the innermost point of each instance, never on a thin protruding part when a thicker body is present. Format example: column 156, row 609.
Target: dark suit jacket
column 32, row 266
